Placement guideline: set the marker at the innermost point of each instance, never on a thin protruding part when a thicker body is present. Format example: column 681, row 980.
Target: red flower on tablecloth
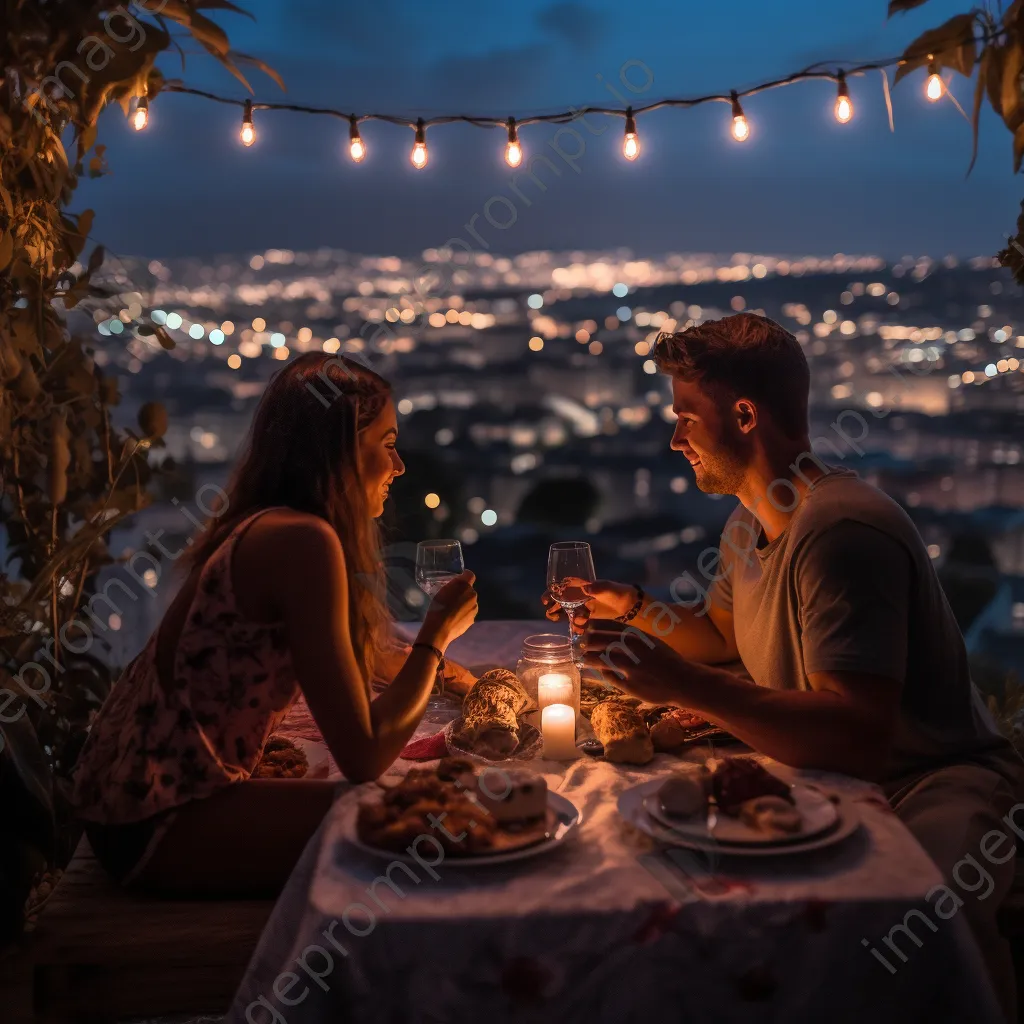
column 526, row 980
column 658, row 922
column 427, row 749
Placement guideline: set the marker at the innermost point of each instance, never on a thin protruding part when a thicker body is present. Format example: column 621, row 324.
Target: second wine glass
column 570, row 565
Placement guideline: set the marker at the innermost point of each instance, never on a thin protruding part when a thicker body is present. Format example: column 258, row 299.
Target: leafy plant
column 992, row 44
column 68, row 473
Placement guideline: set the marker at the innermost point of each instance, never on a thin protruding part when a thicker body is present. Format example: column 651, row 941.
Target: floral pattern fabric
column 153, row 747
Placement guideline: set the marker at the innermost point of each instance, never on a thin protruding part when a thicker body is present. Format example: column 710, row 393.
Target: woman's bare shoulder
column 286, row 529
column 286, row 555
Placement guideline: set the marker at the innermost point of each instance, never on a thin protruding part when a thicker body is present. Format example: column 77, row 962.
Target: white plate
column 631, row 805
column 564, row 816
column 816, row 810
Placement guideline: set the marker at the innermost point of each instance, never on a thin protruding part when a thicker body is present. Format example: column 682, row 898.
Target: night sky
column 802, row 184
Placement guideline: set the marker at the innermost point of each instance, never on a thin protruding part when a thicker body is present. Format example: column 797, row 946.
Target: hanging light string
column 740, row 128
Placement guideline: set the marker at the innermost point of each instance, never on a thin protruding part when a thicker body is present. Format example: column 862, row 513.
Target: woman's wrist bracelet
column 436, row 650
column 632, row 613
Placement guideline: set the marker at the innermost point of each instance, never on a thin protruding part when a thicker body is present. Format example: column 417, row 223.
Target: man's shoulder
column 844, row 502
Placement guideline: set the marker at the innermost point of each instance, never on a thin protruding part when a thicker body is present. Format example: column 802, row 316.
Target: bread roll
column 623, row 733
column 490, row 714
column 671, row 727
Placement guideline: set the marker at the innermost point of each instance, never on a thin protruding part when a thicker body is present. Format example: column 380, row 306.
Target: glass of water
column 570, row 565
column 437, row 562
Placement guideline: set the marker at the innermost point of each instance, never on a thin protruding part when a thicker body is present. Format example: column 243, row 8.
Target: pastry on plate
column 671, row 727
column 412, row 808
column 281, row 759
column 622, row 732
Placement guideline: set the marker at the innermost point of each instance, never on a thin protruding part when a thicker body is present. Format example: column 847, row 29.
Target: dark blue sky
column 802, row 184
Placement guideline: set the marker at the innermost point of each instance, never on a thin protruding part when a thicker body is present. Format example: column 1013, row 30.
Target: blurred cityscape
column 529, row 410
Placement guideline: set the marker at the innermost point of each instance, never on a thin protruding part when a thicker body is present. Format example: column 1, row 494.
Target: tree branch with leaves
column 68, row 473
column 991, row 44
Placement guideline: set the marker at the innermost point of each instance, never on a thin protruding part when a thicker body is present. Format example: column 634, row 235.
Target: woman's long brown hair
column 302, row 452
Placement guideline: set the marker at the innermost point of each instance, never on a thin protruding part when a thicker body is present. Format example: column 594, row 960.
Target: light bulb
column 419, row 149
column 935, row 86
column 630, row 141
column 356, row 146
column 740, row 128
column 513, row 151
column 248, row 132
column 141, row 116
column 844, row 108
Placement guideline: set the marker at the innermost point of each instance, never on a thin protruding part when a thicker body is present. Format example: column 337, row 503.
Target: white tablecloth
column 609, row 928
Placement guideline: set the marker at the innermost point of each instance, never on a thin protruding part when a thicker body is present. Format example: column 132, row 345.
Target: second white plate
column 632, row 807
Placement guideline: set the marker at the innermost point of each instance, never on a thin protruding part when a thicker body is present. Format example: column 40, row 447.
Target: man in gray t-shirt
column 823, row 587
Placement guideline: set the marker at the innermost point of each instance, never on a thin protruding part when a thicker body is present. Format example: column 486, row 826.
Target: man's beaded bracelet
column 632, row 613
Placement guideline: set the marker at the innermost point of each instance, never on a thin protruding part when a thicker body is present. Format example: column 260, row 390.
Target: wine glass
column 437, row 562
column 570, row 564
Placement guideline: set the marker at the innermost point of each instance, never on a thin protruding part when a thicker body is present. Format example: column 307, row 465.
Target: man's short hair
column 743, row 356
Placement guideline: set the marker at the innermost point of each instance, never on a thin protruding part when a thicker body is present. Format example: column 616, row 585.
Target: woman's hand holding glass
column 451, row 612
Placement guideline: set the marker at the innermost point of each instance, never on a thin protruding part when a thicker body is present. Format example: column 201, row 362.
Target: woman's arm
column 457, row 678
column 311, row 589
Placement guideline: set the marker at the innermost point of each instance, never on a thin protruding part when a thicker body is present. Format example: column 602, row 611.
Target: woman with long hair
column 284, row 595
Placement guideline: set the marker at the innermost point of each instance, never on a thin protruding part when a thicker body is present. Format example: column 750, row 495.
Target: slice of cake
column 512, row 795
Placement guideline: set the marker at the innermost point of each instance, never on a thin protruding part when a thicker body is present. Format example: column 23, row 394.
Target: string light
column 248, row 132
column 513, row 151
column 419, row 148
column 356, row 146
column 740, row 128
column 844, row 108
column 630, row 141
column 141, row 116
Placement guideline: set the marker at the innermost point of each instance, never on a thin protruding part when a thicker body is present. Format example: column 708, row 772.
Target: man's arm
column 853, row 585
column 701, row 631
column 844, row 723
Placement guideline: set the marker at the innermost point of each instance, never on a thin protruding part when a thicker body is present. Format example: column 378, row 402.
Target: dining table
column 613, row 925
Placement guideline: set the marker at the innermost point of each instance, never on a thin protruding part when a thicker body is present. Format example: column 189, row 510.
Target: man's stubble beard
column 723, row 472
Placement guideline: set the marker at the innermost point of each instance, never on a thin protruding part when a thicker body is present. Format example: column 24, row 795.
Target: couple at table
column 822, row 586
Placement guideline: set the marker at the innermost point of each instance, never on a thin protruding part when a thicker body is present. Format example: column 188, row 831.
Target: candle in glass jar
column 554, row 688
column 558, row 727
